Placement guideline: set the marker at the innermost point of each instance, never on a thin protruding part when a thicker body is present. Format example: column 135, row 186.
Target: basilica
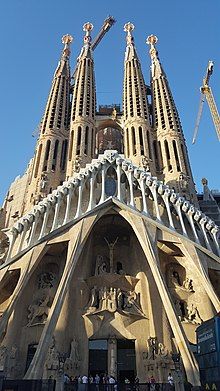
column 108, row 263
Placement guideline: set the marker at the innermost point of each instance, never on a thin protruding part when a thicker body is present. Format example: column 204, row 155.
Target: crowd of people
column 108, row 382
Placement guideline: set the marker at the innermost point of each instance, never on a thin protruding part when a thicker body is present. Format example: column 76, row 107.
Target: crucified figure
column 111, row 252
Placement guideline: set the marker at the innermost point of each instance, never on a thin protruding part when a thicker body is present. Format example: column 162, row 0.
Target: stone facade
column 108, row 247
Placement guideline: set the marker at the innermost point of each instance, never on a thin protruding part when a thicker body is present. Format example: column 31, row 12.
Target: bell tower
column 137, row 128
column 171, row 146
column 82, row 128
column 49, row 165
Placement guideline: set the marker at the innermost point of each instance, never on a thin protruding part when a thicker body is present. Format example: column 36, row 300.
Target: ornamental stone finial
column 128, row 28
column 66, row 40
column 152, row 40
column 87, row 27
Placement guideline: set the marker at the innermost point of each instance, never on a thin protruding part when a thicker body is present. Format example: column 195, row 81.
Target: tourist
column 170, row 381
column 97, row 378
column 84, row 379
column 66, row 379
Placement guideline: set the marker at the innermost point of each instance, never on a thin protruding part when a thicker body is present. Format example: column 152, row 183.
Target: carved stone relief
column 38, row 310
column 4, row 245
column 72, row 363
column 184, row 295
column 156, row 358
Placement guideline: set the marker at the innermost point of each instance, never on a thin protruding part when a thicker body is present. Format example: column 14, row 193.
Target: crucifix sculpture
column 111, row 252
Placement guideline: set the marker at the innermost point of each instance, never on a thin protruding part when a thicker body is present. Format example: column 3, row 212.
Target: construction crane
column 206, row 93
column 107, row 24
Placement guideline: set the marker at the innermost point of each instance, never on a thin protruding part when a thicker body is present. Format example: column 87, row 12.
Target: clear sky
column 31, row 32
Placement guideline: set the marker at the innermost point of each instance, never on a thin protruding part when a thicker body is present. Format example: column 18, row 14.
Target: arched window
column 63, row 155
column 47, row 152
column 38, row 160
column 128, row 149
column 167, row 151
column 71, row 144
column 141, row 140
column 78, row 140
column 86, row 140
column 185, row 160
column 157, row 163
column 148, row 144
column 133, row 138
column 176, row 155
column 54, row 162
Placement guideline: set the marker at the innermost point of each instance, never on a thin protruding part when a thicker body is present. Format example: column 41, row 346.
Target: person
column 97, row 379
column 170, row 380
column 91, row 380
column 66, row 379
column 152, row 383
column 84, row 379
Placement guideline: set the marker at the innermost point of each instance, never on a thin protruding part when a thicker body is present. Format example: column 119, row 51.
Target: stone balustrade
column 112, row 176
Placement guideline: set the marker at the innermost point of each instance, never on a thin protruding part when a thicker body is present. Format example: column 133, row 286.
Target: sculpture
column 46, row 280
column 193, row 315
column 38, row 312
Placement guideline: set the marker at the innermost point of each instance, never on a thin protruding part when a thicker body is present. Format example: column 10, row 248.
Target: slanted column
column 149, row 248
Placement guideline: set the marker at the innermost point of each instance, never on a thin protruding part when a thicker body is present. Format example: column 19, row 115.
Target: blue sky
column 31, row 32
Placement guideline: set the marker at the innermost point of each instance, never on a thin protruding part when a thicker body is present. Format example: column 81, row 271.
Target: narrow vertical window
column 47, row 152
column 71, row 144
column 133, row 140
column 54, row 162
column 63, row 155
column 38, row 160
column 156, row 155
column 128, row 150
column 78, row 140
column 148, row 144
column 176, row 155
column 141, row 140
column 86, row 140
column 167, row 151
column 185, row 160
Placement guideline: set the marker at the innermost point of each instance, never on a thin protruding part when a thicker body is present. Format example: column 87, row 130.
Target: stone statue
column 193, row 315
column 188, row 285
column 3, row 357
column 74, row 352
column 52, row 361
column 43, row 182
column 76, row 164
column 38, row 312
column 102, row 268
column 46, row 280
column 4, row 245
column 111, row 252
column 183, row 182
column 99, row 260
column 145, row 163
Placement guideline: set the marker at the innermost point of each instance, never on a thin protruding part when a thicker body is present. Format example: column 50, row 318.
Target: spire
column 82, row 128
column 49, row 166
column 137, row 136
column 165, row 115
column 135, row 97
column 171, row 149
column 58, row 105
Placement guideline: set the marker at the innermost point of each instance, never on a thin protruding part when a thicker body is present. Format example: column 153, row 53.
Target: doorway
column 98, row 357
column 126, row 360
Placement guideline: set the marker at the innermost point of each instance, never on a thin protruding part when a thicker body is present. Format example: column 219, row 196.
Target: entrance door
column 98, row 357
column 126, row 360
